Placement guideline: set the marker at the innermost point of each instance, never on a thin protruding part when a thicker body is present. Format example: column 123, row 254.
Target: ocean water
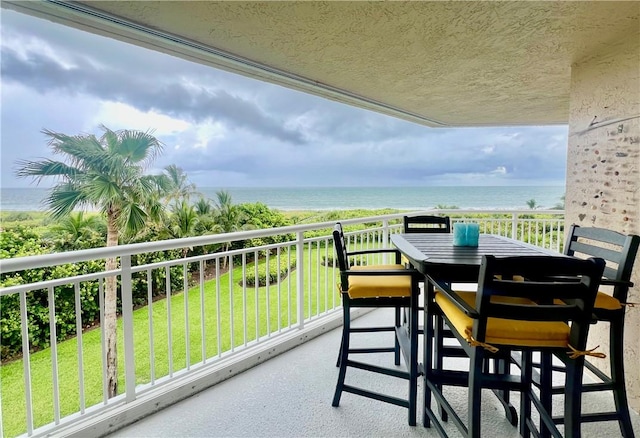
column 345, row 198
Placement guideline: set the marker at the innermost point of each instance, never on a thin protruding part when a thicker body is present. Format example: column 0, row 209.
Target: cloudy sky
column 225, row 130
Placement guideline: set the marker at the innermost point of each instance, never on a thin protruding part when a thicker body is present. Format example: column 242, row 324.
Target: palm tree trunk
column 110, row 312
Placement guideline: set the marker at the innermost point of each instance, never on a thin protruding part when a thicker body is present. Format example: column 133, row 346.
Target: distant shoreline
column 323, row 199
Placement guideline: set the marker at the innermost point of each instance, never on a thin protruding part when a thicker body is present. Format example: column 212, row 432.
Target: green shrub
column 276, row 273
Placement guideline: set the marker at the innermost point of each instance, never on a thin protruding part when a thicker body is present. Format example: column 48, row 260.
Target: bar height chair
column 530, row 314
column 619, row 250
column 378, row 286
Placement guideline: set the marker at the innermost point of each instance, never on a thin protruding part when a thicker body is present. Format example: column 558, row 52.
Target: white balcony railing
column 212, row 324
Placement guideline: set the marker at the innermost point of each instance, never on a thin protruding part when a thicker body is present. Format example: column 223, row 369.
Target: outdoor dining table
column 435, row 255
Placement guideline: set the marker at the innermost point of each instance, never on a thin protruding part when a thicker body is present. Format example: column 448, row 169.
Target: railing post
column 300, row 279
column 127, row 327
column 385, row 240
column 514, row 225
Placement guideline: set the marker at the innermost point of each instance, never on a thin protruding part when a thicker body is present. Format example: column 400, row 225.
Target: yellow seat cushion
column 607, row 302
column 375, row 286
column 506, row 331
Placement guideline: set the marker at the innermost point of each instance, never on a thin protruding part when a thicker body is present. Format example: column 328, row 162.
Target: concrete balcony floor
column 290, row 396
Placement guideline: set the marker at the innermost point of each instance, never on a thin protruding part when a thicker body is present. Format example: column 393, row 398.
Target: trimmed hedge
column 276, row 273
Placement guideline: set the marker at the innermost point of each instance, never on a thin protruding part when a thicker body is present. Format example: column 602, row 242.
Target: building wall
column 603, row 169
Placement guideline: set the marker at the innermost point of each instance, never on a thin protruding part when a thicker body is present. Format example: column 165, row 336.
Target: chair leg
column 616, row 354
column 429, row 308
column 525, row 397
column 546, row 394
column 501, row 367
column 438, row 346
column 344, row 351
column 396, row 346
column 573, row 397
column 475, row 393
column 413, row 358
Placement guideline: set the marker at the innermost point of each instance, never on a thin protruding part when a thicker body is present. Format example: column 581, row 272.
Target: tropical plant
column 532, row 204
column 228, row 217
column 560, row 205
column 182, row 223
column 79, row 231
column 107, row 173
column 178, row 186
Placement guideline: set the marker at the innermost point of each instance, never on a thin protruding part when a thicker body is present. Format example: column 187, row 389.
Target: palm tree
column 560, row 205
column 107, row 173
column 532, row 204
column 179, row 186
column 78, row 228
column 183, row 222
column 228, row 217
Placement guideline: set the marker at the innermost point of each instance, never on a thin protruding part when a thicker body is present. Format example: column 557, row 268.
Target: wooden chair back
column 552, row 288
column 617, row 249
column 427, row 224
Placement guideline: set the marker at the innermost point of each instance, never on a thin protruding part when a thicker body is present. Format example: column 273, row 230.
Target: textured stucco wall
column 603, row 168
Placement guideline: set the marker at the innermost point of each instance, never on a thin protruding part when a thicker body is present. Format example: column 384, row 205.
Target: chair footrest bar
column 376, row 396
column 378, row 369
column 592, row 418
column 453, row 352
column 461, row 378
column 587, row 387
column 371, row 329
column 372, row 350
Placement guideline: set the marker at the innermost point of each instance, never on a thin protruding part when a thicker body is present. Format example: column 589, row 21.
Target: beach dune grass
column 279, row 302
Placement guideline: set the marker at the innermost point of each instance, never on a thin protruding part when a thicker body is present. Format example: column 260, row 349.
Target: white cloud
column 500, row 170
column 123, row 116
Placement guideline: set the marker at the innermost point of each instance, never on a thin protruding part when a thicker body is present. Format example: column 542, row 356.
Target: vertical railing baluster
column 26, row 361
column 127, row 325
column 289, row 287
column 218, row 309
column 103, row 337
column 308, row 278
column 152, row 354
column 169, row 330
column 326, row 275
column 185, row 297
column 203, row 327
column 231, row 298
column 514, row 225
column 318, row 307
column 53, row 340
column 244, row 299
column 300, row 278
column 79, row 346
column 256, row 291
column 279, row 289
column 267, row 291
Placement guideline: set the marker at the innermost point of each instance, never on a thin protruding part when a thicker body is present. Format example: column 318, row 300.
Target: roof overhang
column 436, row 63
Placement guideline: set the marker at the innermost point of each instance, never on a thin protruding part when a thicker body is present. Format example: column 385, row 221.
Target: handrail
column 39, row 261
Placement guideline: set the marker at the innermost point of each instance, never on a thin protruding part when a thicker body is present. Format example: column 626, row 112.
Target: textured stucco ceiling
column 438, row 63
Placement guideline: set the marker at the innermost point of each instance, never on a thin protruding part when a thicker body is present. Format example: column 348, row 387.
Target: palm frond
column 132, row 219
column 63, row 199
column 41, row 169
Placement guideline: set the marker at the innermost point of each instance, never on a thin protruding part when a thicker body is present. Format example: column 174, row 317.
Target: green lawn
column 11, row 374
